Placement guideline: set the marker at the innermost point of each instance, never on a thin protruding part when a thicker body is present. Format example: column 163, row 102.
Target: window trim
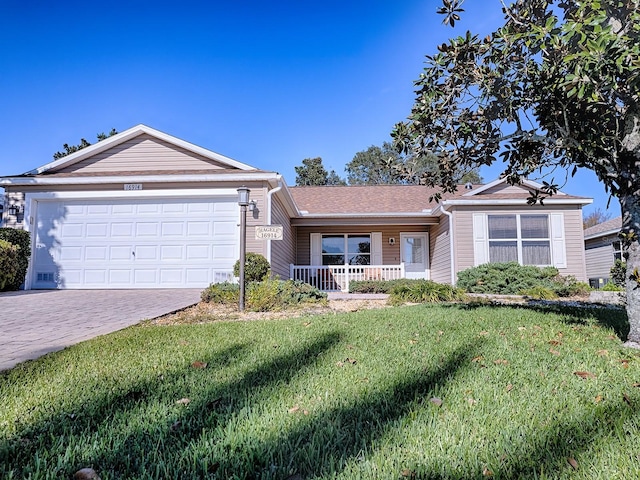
column 346, row 252
column 520, row 241
column 480, row 243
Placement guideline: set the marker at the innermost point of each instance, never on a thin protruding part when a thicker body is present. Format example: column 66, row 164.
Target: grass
column 426, row 392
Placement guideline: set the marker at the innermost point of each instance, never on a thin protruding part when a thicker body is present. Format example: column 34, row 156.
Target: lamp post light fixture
column 243, row 201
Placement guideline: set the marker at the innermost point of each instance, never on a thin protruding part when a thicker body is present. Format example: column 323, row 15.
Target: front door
column 413, row 251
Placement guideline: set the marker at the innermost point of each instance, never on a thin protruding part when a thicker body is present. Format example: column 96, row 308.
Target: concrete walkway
column 36, row 322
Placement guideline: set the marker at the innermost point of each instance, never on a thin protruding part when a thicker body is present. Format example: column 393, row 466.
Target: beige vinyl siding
column 599, row 261
column 440, row 252
column 257, row 217
column 282, row 251
column 574, row 239
column 390, row 253
column 599, row 256
column 143, row 153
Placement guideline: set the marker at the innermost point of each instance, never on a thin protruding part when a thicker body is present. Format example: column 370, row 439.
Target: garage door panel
column 97, row 230
column 96, row 253
column 120, row 276
column 71, row 253
column 98, row 210
column 141, row 243
column 202, row 229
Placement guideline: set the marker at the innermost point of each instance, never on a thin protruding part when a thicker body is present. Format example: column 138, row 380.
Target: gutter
column 269, row 214
column 234, row 177
column 443, row 208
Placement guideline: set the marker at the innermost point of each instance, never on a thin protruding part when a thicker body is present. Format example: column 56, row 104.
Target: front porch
column 336, row 278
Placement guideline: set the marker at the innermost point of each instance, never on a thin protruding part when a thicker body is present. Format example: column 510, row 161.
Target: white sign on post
column 269, row 232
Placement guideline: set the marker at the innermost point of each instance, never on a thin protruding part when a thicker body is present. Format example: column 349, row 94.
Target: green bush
column 225, row 293
column 618, row 273
column 9, row 264
column 22, row 240
column 378, row 286
column 425, row 291
column 511, row 278
column 612, row 287
column 540, row 293
column 269, row 294
column 256, row 267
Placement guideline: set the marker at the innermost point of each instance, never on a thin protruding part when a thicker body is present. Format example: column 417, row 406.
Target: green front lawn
column 427, row 392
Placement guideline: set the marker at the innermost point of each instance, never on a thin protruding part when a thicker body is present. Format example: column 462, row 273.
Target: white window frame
column 556, row 237
column 520, row 241
column 346, row 245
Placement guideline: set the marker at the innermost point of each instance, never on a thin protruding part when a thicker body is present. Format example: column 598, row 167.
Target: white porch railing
column 336, row 278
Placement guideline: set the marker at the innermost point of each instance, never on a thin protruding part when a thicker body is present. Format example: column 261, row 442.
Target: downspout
column 269, row 207
column 443, row 207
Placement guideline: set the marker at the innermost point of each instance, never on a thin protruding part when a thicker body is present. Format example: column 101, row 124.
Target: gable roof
column 610, row 227
column 399, row 200
column 129, row 134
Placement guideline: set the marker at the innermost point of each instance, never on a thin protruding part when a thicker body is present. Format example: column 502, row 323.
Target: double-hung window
column 346, row 249
column 519, row 238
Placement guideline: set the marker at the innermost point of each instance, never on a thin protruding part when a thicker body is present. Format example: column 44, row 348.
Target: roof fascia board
column 602, row 234
column 376, row 221
column 240, row 176
column 518, row 202
column 526, row 183
column 133, row 132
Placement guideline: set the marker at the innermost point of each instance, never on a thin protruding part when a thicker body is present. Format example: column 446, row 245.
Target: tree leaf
column 573, row 463
column 198, row 364
column 584, row 375
column 436, row 401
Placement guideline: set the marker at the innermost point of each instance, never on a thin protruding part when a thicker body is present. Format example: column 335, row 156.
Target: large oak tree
column 557, row 86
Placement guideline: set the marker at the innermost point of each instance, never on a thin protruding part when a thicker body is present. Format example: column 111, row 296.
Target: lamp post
column 243, row 201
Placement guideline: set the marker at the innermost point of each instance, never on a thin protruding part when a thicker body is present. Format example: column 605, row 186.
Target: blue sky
column 266, row 83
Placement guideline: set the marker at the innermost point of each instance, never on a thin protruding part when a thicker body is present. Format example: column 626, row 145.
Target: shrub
column 540, row 293
column 256, row 267
column 9, row 264
column 269, row 294
column 512, row 278
column 378, row 286
column 425, row 291
column 612, row 287
column 618, row 273
column 22, row 240
column 508, row 278
column 225, row 293
column 274, row 294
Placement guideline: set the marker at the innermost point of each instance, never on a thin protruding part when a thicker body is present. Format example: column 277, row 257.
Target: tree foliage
column 557, row 86
column 313, row 173
column 595, row 217
column 380, row 165
column 69, row 149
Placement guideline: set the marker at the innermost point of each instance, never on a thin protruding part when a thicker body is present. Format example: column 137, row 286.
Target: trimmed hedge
column 511, row 278
column 22, row 240
column 379, row 286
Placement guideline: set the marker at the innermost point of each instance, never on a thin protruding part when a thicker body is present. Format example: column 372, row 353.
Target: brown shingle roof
column 364, row 199
column 604, row 227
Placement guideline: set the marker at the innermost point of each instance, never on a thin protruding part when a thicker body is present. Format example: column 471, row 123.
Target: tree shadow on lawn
column 612, row 318
column 97, row 413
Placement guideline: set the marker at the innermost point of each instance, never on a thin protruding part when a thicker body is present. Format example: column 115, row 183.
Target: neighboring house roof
column 610, row 227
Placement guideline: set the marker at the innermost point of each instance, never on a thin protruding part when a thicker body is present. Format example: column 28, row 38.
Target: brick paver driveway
column 36, row 322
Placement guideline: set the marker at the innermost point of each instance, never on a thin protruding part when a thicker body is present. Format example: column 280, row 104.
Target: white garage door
column 148, row 243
